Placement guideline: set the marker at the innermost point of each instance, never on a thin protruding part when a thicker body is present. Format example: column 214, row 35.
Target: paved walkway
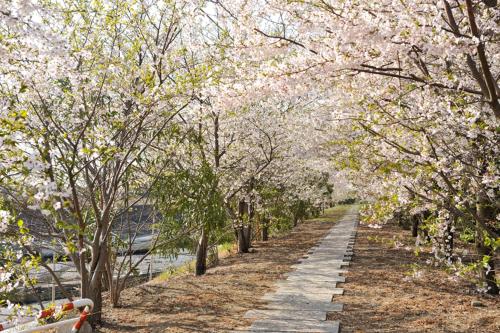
column 301, row 302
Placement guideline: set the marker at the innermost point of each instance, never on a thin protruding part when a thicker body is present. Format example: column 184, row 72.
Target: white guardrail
column 73, row 325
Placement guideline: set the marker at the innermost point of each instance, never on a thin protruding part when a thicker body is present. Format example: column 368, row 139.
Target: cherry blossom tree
column 413, row 95
column 92, row 108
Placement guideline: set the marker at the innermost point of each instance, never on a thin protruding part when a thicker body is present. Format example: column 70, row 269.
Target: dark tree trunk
column 401, row 217
column 247, row 233
column 414, row 225
column 242, row 245
column 265, row 230
column 201, row 254
column 265, row 233
column 295, row 220
column 242, row 208
column 244, row 232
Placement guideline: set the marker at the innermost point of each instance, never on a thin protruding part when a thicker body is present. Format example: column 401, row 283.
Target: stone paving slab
column 332, row 268
column 320, row 278
column 332, row 249
column 296, row 304
column 300, row 303
column 324, row 260
column 324, row 306
column 318, row 287
column 286, row 314
column 302, row 289
column 317, row 280
column 324, row 251
column 328, row 263
column 333, row 291
column 320, row 263
column 320, row 249
column 274, row 325
column 308, row 265
column 325, row 257
column 296, row 296
column 309, row 284
column 336, row 242
column 333, row 271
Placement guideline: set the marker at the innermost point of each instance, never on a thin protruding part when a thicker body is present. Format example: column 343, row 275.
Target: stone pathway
column 301, row 302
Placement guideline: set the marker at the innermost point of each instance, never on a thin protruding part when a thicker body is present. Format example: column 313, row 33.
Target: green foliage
column 467, row 235
column 188, row 200
column 275, row 208
column 281, row 210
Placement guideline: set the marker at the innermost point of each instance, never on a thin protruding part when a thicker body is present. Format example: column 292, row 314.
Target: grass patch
column 186, row 268
column 339, row 209
column 224, row 250
column 332, row 213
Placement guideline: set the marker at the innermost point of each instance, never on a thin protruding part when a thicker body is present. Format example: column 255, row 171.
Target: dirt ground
column 385, row 291
column 217, row 301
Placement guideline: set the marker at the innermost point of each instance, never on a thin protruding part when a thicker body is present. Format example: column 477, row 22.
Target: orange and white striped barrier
column 55, row 313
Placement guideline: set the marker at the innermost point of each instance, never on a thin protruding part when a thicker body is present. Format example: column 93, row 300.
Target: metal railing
column 68, row 276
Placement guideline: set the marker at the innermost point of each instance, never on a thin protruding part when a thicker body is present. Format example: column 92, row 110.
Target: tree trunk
column 265, row 230
column 201, row 254
column 95, row 294
column 488, row 272
column 244, row 232
column 242, row 208
column 414, row 225
column 401, row 217
column 295, row 220
column 111, row 285
column 484, row 212
column 242, row 246
column 247, row 233
column 213, row 256
column 92, row 284
column 449, row 239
